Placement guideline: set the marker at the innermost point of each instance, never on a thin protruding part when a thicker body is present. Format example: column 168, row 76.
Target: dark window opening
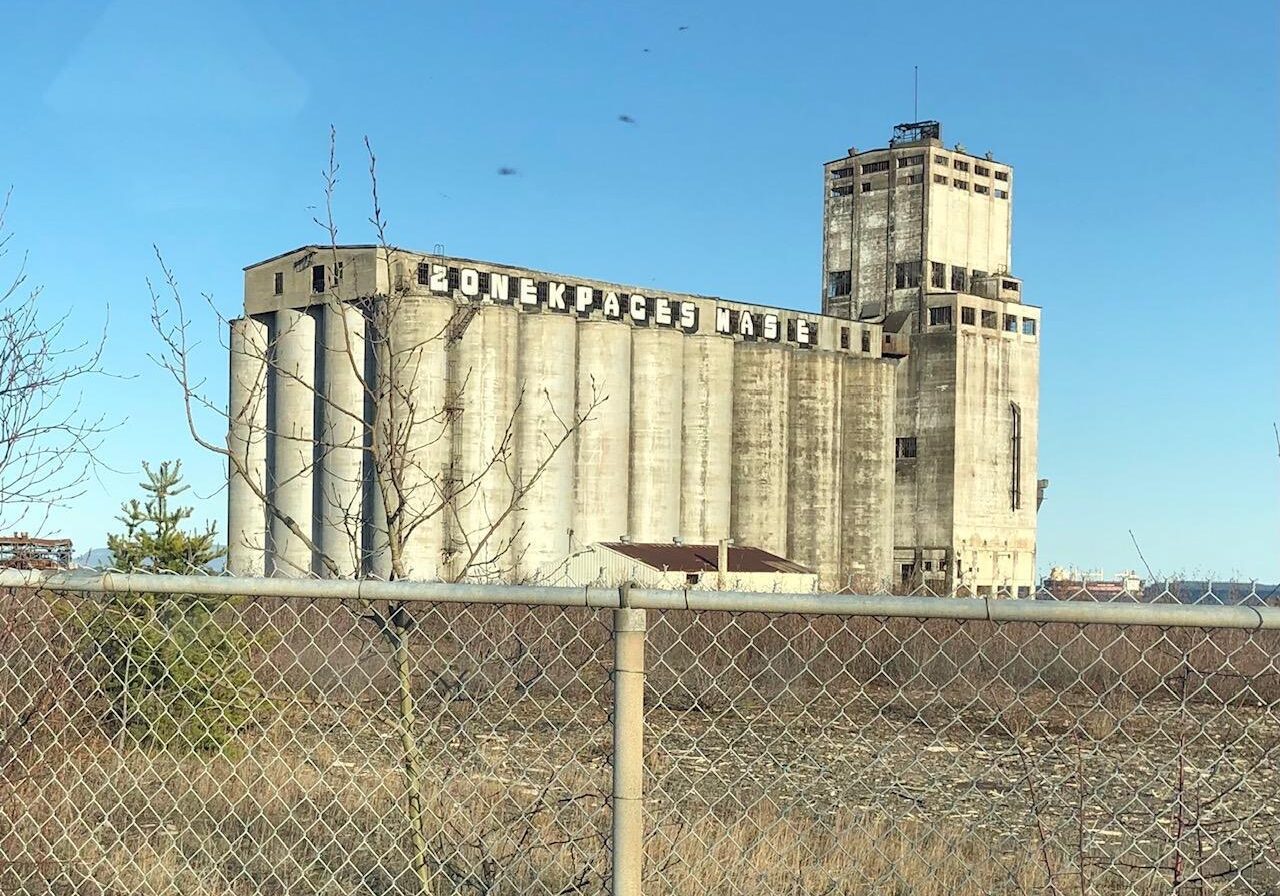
column 908, row 572
column 279, row 283
column 1015, row 456
column 939, row 317
column 915, row 178
column 962, row 184
column 967, row 316
column 928, row 566
column 337, row 274
column 424, row 273
column 1011, row 285
column 692, row 578
column 978, row 275
column 941, row 160
column 842, row 190
column 873, row 167
column 844, row 337
column 866, row 340
column 1010, row 323
column 1002, row 175
column 842, row 172
column 839, row 283
column 937, row 275
column 908, row 161
column 989, row 319
column 979, row 188
column 961, row 166
column 904, row 447
column 959, row 279
column 866, row 186
column 981, row 170
column 317, row 278
column 939, row 178
column 454, row 278
column 906, row 274
column 1028, row 326
column 1001, row 194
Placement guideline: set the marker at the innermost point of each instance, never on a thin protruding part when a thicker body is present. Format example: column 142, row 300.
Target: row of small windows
column 323, row 277
column 941, row 317
column 981, row 189
column 907, row 274
column 911, row 161
column 866, row 339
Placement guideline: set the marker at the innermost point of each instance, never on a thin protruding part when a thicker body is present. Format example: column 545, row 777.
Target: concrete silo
column 603, row 470
column 761, row 412
column 340, row 437
column 867, row 474
column 657, row 382
column 247, row 442
column 813, row 488
column 706, row 438
column 291, row 441
column 544, row 456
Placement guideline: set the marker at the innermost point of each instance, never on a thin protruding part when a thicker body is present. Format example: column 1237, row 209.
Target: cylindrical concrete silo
column 657, row 383
column 866, row 472
column 760, row 418
column 483, row 388
column 247, row 442
column 544, row 456
column 291, row 445
column 341, row 438
column 602, row 475
column 707, row 438
column 813, row 488
column 414, row 432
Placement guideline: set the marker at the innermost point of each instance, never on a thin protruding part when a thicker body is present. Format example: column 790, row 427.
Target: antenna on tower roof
column 915, row 107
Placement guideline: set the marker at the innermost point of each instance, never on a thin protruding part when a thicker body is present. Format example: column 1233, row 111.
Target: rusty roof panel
column 703, row 557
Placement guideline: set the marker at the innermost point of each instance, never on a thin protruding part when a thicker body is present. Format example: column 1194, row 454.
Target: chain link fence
column 177, row 735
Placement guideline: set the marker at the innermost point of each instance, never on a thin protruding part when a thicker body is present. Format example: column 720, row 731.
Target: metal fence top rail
column 975, row 608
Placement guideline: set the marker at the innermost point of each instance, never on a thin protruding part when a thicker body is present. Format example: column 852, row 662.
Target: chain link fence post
column 628, row 748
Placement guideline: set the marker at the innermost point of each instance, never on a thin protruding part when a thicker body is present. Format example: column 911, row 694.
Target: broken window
column 908, row 161
column 873, row 167
column 1015, row 456
column 844, row 337
column 906, row 274
column 967, row 316
column 1010, row 323
column 317, row 278
column 941, row 160
column 962, row 184
column 989, row 319
column 961, row 165
column 842, row 190
column 842, row 172
column 904, row 447
column 424, row 273
column 939, row 178
column 866, row 186
column 337, row 275
column 1028, row 326
column 866, row 341
column 1011, row 285
column 279, row 283
column 981, row 170
column 937, row 275
column 940, row 316
column 959, row 279
column 979, row 188
column 1002, row 175
column 839, row 283
column 915, row 178
column 1001, row 194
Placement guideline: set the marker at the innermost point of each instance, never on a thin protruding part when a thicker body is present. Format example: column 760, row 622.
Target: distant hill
column 100, row 558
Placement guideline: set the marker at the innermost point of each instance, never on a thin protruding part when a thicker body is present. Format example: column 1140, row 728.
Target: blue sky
column 1145, row 225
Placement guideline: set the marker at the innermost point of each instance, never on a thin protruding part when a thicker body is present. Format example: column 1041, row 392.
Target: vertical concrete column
column 342, row 430
column 415, row 441
column 603, row 474
column 544, row 458
column 761, row 406
column 813, row 491
column 867, row 473
column 247, row 442
column 291, row 445
column 706, row 438
column 628, row 750
column 657, row 383
column 482, row 385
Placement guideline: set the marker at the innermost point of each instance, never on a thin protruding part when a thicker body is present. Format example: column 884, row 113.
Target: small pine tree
column 175, row 672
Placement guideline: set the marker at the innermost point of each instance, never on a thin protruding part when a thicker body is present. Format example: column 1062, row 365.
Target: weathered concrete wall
column 707, row 439
column 339, row 494
column 247, row 442
column 867, row 486
column 603, row 469
column 814, row 456
column 657, row 383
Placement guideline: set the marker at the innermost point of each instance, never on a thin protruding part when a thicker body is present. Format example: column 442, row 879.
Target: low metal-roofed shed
column 662, row 565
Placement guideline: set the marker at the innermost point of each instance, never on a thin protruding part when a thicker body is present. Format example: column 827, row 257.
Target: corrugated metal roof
column 703, row 557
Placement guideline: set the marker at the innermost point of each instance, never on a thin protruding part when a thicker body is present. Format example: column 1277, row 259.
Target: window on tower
column 317, row 278
column 1002, row 175
column 1002, row 194
column 959, row 279
column 866, row 186
column 904, row 447
column 939, row 178
column 967, row 316
column 937, row 275
column 940, row 160
column 962, row 184
column 961, row 165
column 979, row 188
column 981, row 170
column 1011, row 323
column 1028, row 326
column 989, row 319
column 866, row 340
column 873, row 167
column 906, row 274
column 940, row 317
column 908, row 161
column 839, row 283
column 279, row 283
column 1015, row 456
